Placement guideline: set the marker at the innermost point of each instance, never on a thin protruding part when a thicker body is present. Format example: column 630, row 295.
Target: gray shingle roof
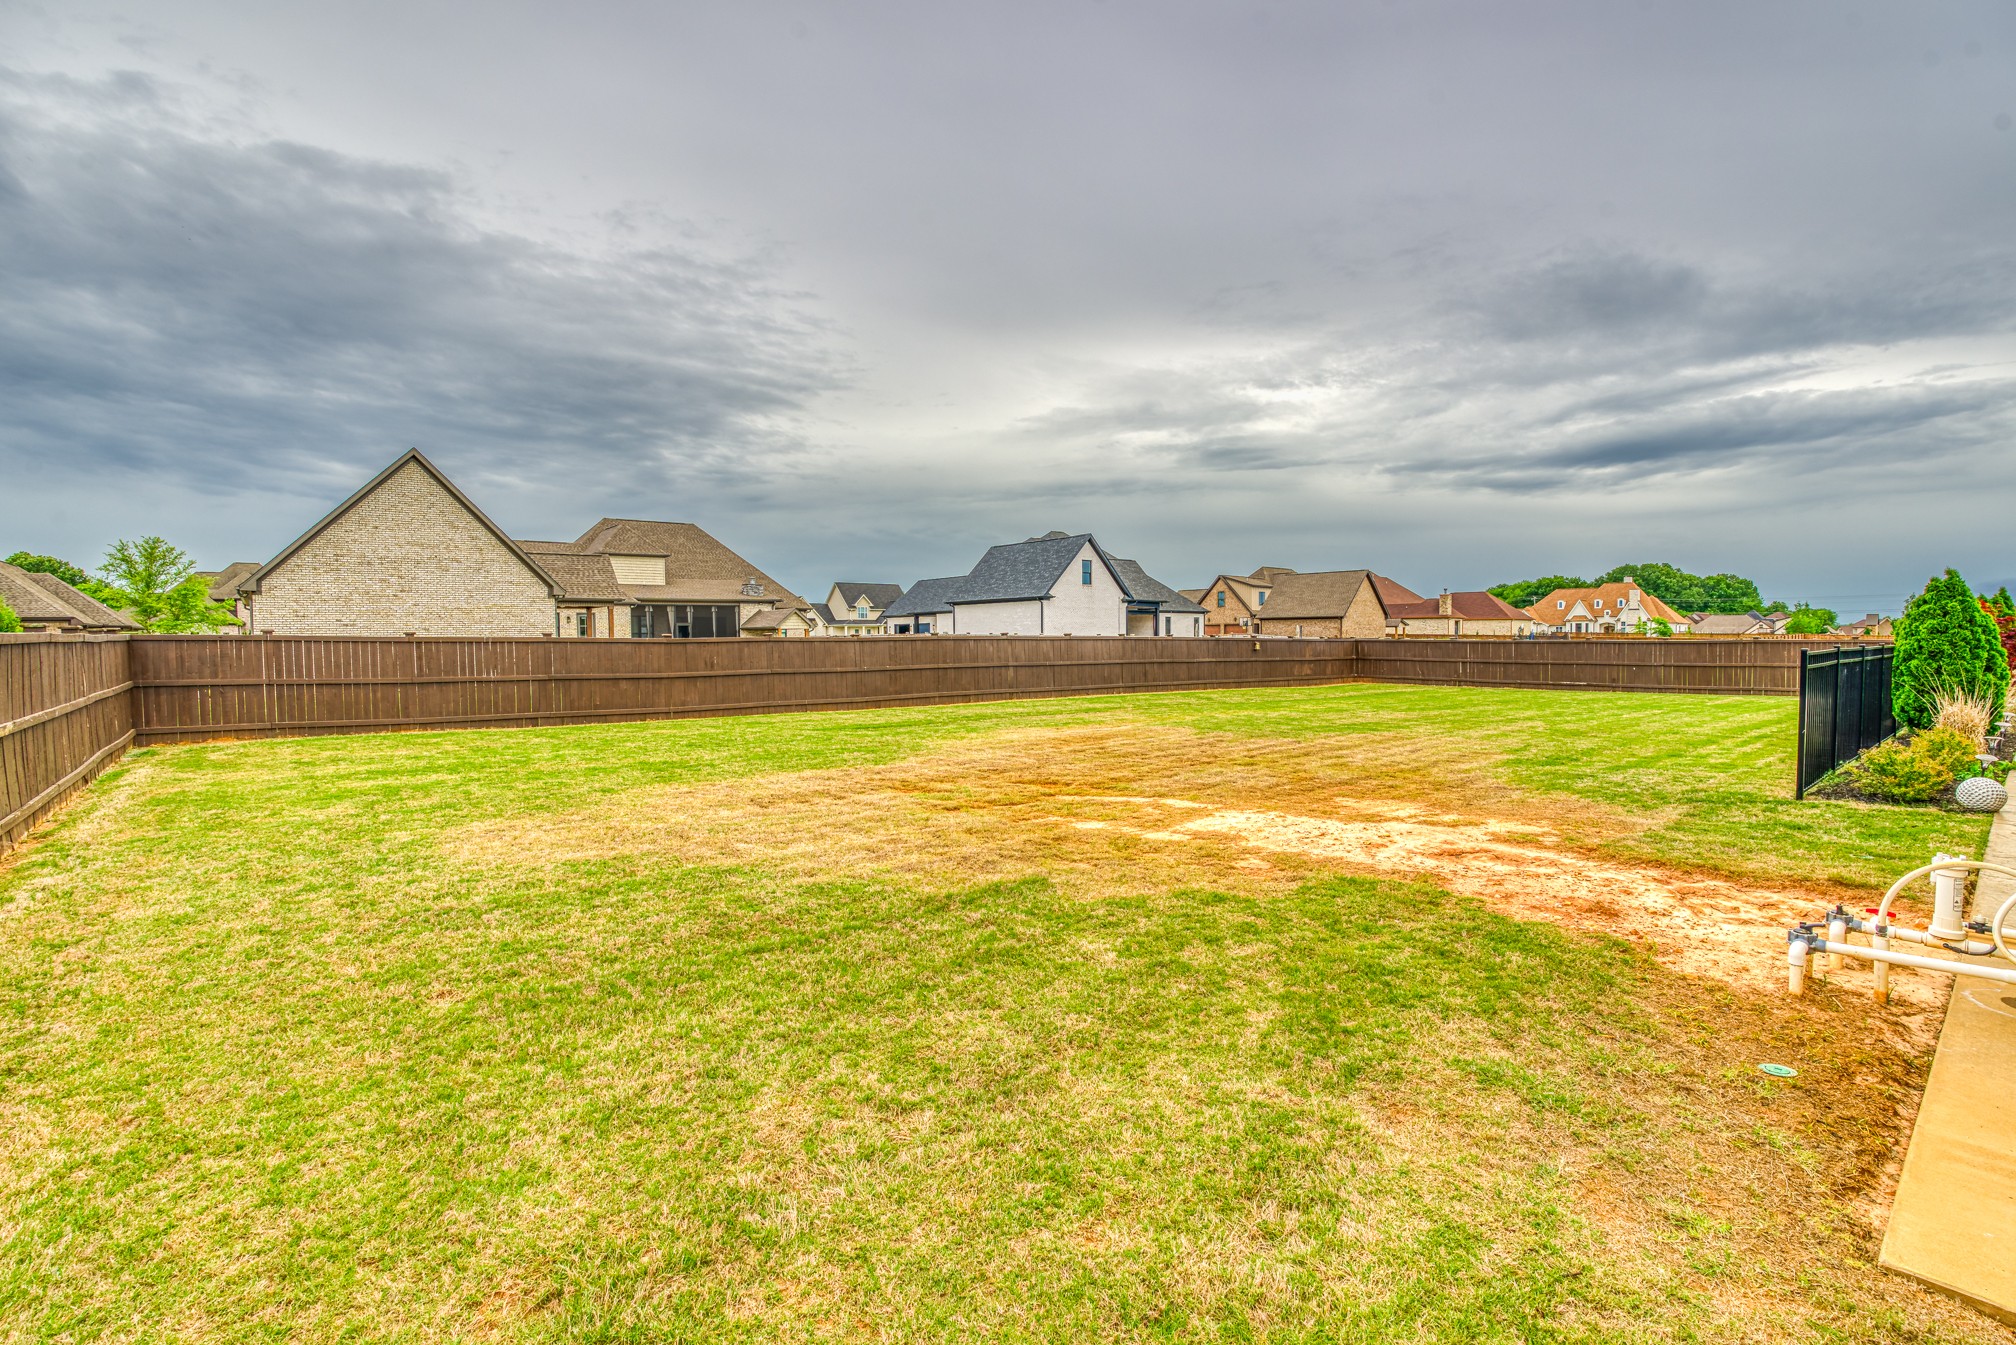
column 926, row 596
column 1144, row 587
column 1017, row 570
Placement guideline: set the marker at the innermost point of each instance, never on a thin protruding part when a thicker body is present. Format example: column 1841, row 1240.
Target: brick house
column 640, row 578
column 1618, row 608
column 1232, row 602
column 1332, row 604
column 1471, row 612
column 409, row 553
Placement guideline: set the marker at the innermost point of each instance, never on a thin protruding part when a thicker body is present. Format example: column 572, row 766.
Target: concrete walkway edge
column 1953, row 1223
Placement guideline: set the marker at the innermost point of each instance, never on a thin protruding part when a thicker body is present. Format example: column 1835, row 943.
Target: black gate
column 1844, row 706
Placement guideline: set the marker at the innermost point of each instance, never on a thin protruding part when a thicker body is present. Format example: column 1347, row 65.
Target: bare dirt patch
column 1119, row 810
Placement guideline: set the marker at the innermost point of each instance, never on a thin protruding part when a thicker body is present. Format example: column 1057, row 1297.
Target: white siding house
column 1056, row 584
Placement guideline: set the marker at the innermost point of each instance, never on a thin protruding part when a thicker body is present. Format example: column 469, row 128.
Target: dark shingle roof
column 1016, row 570
column 1144, row 587
column 879, row 596
column 926, row 596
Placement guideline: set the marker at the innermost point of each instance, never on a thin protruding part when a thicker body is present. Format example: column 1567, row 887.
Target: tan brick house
column 1334, row 604
column 408, row 553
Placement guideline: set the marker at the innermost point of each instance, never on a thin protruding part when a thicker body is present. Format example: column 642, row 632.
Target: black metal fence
column 1844, row 706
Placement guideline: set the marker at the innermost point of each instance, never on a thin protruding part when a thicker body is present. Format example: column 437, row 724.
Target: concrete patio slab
column 1953, row 1223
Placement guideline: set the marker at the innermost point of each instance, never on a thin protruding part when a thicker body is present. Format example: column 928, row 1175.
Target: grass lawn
column 925, row 1025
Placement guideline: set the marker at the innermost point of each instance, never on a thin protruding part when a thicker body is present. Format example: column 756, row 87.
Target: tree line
column 1684, row 592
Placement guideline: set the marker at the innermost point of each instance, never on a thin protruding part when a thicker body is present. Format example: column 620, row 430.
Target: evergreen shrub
column 1945, row 642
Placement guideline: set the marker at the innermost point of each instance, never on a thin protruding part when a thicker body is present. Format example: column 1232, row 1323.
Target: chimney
column 1443, row 605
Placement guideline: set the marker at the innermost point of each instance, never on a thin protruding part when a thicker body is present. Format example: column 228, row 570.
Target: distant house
column 856, row 609
column 46, row 603
column 1057, row 584
column 925, row 608
column 1621, row 608
column 779, row 622
column 1471, row 612
column 1233, row 602
column 224, row 589
column 1873, row 626
column 643, row 578
column 1729, row 623
column 409, row 553
column 1333, row 604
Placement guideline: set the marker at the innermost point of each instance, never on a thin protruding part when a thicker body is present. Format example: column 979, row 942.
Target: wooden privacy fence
column 191, row 688
column 66, row 712
column 69, row 705
column 1735, row 667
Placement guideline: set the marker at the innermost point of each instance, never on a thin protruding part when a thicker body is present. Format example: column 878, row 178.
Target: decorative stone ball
column 1979, row 794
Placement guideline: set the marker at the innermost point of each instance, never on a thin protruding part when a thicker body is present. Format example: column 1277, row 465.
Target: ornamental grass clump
column 1946, row 643
column 1915, row 769
column 1966, row 714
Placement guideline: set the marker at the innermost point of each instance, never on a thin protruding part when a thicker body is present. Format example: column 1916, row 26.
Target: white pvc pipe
column 1837, row 932
column 1881, row 969
column 1795, row 954
column 1951, row 968
column 1971, row 947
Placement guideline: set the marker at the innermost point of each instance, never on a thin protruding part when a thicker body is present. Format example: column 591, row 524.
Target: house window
column 1084, row 571
column 861, row 611
column 1263, row 598
column 1221, row 597
column 580, row 623
column 1559, row 603
column 1599, row 604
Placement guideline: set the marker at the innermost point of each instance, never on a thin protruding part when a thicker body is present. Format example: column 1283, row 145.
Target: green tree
column 2003, row 602
column 1945, row 642
column 1662, row 628
column 1810, row 621
column 9, row 623
column 187, row 610
column 1526, row 592
column 1688, row 592
column 154, row 583
column 62, row 569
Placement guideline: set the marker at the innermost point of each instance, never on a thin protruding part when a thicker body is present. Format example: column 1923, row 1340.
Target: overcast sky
column 1459, row 292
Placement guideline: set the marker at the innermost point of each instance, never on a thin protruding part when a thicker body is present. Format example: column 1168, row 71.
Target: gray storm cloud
column 1453, row 291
